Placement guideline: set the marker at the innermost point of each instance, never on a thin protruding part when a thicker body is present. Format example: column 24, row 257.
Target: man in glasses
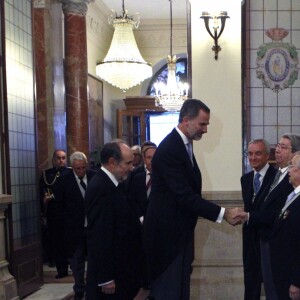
column 52, row 213
column 271, row 206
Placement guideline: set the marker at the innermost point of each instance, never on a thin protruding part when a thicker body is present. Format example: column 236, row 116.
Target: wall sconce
column 207, row 17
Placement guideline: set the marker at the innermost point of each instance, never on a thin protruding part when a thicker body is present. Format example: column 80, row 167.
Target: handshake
column 235, row 216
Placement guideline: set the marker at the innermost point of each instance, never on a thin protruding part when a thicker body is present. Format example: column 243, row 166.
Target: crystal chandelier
column 170, row 96
column 124, row 66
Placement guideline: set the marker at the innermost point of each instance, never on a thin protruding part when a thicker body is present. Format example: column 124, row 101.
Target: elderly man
column 255, row 186
column 285, row 241
column 115, row 254
column 71, row 190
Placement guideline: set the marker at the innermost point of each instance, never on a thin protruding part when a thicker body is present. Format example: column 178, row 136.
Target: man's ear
column 185, row 121
column 111, row 161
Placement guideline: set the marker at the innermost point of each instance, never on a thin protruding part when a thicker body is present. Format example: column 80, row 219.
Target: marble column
column 8, row 286
column 76, row 75
column 43, row 71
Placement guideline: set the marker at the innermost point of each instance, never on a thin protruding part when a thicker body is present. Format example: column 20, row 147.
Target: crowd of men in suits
column 135, row 224
column 271, row 245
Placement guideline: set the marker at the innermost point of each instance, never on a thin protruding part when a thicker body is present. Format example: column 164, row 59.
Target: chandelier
column 123, row 65
column 171, row 96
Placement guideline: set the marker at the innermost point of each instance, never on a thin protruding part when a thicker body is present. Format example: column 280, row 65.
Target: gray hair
column 295, row 141
column 77, row 155
column 297, row 154
column 266, row 144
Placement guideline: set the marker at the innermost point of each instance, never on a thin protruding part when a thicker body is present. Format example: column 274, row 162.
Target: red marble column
column 43, row 77
column 76, row 76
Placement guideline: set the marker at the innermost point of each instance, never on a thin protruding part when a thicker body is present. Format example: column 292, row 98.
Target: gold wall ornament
column 277, row 62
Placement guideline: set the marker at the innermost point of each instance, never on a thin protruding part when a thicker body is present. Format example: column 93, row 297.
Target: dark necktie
column 82, row 184
column 256, row 183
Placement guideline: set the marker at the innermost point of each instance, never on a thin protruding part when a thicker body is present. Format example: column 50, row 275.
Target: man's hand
column 47, row 197
column 294, row 292
column 109, row 288
column 235, row 216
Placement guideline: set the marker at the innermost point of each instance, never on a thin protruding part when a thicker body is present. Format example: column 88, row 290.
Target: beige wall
column 218, row 84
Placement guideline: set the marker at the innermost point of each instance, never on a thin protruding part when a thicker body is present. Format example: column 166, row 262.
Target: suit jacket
column 114, row 236
column 138, row 193
column 73, row 210
column 285, row 250
column 48, row 183
column 264, row 218
column 250, row 233
column 174, row 205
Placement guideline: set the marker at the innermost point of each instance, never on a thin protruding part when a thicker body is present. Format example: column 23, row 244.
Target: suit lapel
column 285, row 214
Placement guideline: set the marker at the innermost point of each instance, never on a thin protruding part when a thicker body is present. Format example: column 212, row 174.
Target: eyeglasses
column 282, row 146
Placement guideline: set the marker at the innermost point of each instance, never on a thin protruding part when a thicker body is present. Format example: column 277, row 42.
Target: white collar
column 263, row 171
column 111, row 176
column 183, row 136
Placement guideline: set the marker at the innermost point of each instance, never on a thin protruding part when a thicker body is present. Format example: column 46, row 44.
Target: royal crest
column 277, row 62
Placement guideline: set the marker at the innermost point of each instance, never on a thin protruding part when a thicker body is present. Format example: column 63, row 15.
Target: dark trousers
column 57, row 241
column 77, row 263
column 267, row 271
column 252, row 273
column 174, row 283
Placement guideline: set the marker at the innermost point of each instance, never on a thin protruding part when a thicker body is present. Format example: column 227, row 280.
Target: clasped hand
column 235, row 216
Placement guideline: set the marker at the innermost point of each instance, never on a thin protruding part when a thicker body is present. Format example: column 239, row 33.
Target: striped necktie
column 148, row 184
column 82, row 183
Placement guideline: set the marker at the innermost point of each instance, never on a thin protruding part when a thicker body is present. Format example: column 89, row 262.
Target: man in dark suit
column 114, row 230
column 71, row 190
column 175, row 204
column 285, row 241
column 264, row 217
column 52, row 213
column 255, row 186
column 138, row 169
column 140, row 187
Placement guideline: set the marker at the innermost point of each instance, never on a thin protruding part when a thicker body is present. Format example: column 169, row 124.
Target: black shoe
column 78, row 295
column 62, row 275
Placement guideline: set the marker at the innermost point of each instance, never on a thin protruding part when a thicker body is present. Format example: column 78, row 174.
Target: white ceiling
column 150, row 9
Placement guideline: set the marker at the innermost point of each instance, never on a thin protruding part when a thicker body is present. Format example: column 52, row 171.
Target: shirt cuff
column 221, row 215
column 105, row 283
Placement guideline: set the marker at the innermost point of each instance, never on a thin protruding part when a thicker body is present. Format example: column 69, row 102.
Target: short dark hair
column 191, row 108
column 111, row 149
column 55, row 152
column 146, row 145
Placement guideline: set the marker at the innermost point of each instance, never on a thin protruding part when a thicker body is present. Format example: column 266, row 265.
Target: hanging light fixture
column 124, row 66
column 170, row 96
